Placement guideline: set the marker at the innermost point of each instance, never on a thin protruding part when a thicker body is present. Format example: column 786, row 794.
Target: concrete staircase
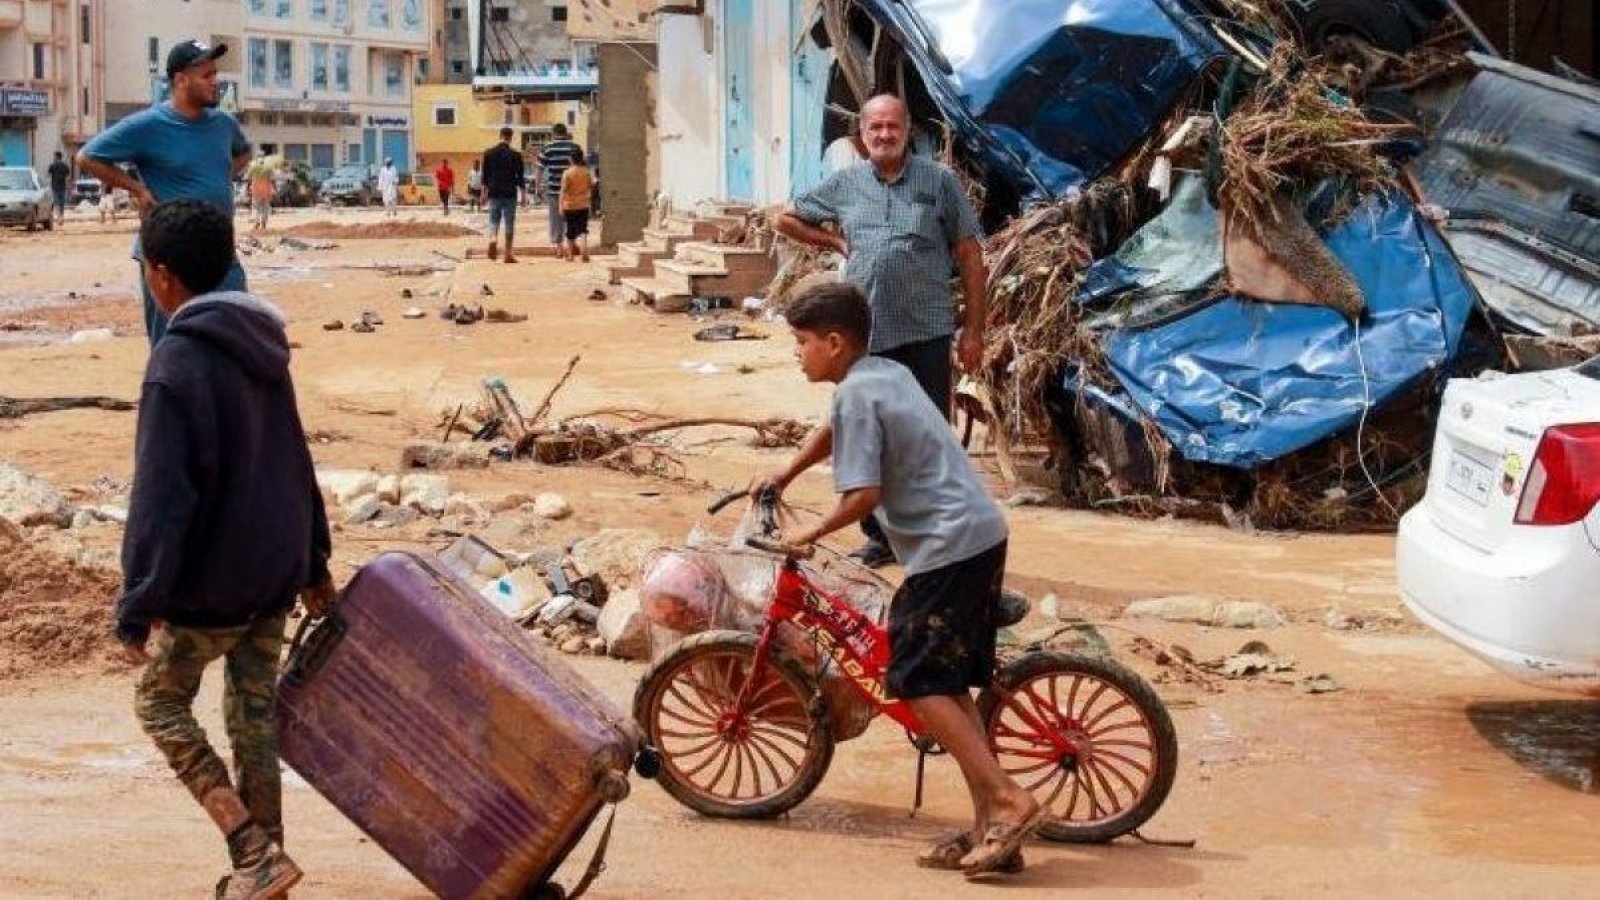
column 682, row 260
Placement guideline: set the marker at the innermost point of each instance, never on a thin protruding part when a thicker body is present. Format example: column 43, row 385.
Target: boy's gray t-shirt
column 887, row 434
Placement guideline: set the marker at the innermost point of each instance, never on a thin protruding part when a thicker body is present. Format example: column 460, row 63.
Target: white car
column 1500, row 556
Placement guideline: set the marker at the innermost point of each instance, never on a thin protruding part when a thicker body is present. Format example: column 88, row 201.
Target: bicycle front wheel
column 1123, row 751
column 755, row 763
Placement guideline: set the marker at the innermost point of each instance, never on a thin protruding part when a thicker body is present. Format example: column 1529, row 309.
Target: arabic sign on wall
column 24, row 102
column 388, row 122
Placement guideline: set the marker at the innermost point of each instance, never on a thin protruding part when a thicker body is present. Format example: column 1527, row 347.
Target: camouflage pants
column 164, row 702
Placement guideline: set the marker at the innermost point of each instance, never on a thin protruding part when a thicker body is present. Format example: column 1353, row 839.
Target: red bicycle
column 742, row 726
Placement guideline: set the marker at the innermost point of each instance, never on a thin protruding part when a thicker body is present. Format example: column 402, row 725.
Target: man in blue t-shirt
column 185, row 149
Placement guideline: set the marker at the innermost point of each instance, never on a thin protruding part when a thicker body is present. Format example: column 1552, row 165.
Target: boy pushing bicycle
column 893, row 453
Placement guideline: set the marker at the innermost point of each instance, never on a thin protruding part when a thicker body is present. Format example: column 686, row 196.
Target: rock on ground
column 28, row 501
column 615, row 554
column 551, row 506
column 1205, row 611
column 425, row 493
column 346, row 485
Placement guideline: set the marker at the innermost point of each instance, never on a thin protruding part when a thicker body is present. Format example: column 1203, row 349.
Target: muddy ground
column 1426, row 774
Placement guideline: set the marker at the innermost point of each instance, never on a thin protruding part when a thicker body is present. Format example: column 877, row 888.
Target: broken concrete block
column 623, row 626
column 519, row 593
column 615, row 554
column 346, row 485
column 463, row 505
column 1246, row 614
column 434, row 455
column 510, row 501
column 27, row 501
column 427, row 494
column 1192, row 609
column 551, row 506
column 364, row 509
column 389, row 489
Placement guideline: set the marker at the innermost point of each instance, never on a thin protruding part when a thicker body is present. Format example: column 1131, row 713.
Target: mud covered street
column 1422, row 773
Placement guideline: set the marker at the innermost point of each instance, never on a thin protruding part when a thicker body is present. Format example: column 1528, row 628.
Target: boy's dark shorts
column 577, row 221
column 942, row 628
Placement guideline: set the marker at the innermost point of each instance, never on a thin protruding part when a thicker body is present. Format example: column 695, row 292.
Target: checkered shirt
column 901, row 236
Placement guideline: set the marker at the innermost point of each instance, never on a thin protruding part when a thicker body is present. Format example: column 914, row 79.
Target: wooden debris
column 17, row 407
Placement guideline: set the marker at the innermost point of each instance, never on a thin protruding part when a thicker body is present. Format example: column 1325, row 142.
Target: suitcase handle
column 309, row 652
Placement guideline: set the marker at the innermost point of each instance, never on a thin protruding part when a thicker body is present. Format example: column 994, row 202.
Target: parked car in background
column 1501, row 554
column 86, row 188
column 24, row 199
column 354, row 184
column 318, row 175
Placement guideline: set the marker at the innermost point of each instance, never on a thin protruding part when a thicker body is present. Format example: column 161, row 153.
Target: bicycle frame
column 860, row 648
column 857, row 645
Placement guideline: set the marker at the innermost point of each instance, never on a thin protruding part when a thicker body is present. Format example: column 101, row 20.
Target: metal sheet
column 1050, row 94
column 1517, row 165
column 1240, row 382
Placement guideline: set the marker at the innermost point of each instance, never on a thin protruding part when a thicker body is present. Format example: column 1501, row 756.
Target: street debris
column 17, row 407
column 1206, row 611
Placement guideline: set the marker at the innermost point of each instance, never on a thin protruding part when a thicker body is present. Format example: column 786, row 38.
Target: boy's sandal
column 947, row 852
column 1001, row 842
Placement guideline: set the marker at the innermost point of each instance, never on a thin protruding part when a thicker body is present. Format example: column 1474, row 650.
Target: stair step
column 733, row 257
column 662, row 296
column 712, row 281
column 700, row 229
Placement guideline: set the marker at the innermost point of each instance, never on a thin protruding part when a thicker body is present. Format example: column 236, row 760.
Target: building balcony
column 538, row 79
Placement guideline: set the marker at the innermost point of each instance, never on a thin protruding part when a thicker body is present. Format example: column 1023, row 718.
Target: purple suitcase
column 470, row 753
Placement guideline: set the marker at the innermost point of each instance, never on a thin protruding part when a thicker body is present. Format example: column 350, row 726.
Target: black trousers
column 929, row 362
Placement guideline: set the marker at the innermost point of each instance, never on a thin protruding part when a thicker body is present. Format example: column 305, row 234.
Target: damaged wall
column 690, row 110
column 626, row 134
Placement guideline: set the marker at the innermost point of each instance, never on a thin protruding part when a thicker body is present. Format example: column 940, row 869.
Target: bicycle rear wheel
column 756, row 764
column 1124, row 752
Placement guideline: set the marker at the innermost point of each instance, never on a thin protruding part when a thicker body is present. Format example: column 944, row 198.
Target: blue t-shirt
column 178, row 158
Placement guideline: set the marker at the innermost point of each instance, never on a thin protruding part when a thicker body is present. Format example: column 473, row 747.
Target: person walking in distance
column 184, row 148
column 225, row 528
column 503, row 184
column 904, row 223
column 553, row 162
column 445, row 178
column 389, row 187
column 576, row 185
column 474, row 187
column 59, row 172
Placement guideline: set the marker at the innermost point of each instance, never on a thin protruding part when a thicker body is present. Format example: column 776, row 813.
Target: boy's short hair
column 837, row 306
column 505, row 134
column 192, row 239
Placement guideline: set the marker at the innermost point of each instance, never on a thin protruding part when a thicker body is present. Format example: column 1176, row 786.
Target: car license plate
column 1469, row 478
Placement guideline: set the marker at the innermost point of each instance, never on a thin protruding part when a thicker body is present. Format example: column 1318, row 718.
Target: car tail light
column 1564, row 481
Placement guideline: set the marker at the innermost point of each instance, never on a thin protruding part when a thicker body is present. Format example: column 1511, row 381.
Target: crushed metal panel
column 1517, row 165
column 1240, row 383
column 1050, row 94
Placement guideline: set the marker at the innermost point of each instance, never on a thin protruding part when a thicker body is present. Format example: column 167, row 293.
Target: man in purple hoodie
column 225, row 528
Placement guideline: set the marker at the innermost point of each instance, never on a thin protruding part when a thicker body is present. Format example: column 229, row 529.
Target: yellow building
column 455, row 124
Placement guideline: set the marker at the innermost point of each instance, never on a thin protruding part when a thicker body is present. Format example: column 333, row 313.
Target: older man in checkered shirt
column 904, row 223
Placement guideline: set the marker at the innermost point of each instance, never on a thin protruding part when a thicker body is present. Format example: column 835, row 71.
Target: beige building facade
column 323, row 82
column 50, row 80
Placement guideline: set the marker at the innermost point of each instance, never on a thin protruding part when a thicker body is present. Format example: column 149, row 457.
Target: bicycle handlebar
column 722, row 502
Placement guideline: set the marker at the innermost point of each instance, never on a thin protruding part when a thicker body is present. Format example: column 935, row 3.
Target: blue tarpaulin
column 1050, row 94
column 1241, row 382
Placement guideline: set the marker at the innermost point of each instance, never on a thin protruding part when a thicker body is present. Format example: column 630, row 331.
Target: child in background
column 576, row 185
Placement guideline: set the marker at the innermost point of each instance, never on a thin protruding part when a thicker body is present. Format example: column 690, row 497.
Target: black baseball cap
column 187, row 53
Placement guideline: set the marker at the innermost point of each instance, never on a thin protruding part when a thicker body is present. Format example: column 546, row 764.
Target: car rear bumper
column 1531, row 611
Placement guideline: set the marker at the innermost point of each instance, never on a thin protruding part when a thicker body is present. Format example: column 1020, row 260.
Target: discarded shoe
column 449, row 312
column 466, row 316
column 727, row 331
column 873, row 555
column 368, row 317
column 362, row 327
column 413, row 312
column 485, row 290
column 500, row 315
column 597, row 294
column 335, row 325
column 405, row 293
column 268, row 879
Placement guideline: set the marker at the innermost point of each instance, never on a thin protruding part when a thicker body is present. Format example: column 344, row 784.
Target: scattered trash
column 502, row 316
column 1320, row 684
column 485, row 290
column 335, row 325
column 597, row 295
column 1206, row 611
column 727, row 332
column 413, row 312
column 708, row 369
column 91, row 336
column 1029, row 497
